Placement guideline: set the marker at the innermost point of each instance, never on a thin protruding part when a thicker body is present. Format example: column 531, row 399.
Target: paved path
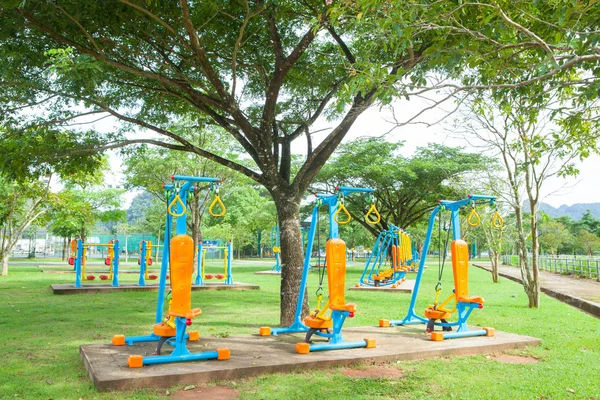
column 578, row 292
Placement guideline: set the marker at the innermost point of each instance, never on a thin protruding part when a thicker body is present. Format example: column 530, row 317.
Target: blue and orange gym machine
column 78, row 258
column 394, row 244
column 201, row 274
column 178, row 261
column 463, row 303
column 336, row 310
column 145, row 261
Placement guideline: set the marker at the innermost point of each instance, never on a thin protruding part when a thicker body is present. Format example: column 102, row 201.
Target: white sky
column 375, row 122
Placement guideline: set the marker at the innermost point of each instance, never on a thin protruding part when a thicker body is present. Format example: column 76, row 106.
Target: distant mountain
column 575, row 211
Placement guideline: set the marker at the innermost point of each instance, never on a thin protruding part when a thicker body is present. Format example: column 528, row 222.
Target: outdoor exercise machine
column 145, row 261
column 333, row 314
column 201, row 274
column 178, row 261
column 78, row 258
column 463, row 303
column 394, row 245
column 276, row 244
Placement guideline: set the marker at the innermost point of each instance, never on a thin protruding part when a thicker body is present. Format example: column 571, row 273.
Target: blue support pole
column 142, row 280
column 78, row 261
column 229, row 280
column 199, row 278
column 115, row 281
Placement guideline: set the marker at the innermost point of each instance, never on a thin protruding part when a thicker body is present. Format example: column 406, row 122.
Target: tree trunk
column 5, row 256
column 494, row 259
column 534, row 293
column 292, row 258
column 64, row 249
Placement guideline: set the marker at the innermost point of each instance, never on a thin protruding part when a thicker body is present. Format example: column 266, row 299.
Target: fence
column 586, row 268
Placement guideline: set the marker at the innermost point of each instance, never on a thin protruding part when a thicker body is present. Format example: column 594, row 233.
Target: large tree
column 264, row 71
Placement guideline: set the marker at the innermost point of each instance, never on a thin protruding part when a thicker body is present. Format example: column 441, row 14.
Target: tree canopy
column 407, row 188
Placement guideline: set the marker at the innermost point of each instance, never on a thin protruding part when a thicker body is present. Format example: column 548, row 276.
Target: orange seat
column 318, row 323
column 436, row 314
column 350, row 307
column 472, row 299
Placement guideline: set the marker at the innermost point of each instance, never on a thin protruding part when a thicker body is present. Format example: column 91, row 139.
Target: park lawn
column 41, row 334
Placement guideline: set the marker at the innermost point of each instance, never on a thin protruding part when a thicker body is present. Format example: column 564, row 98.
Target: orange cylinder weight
column 336, row 272
column 182, row 268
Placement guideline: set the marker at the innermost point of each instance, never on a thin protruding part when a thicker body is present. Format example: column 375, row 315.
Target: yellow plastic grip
column 497, row 220
column 217, row 200
column 472, row 215
column 372, row 210
column 173, row 206
column 341, row 208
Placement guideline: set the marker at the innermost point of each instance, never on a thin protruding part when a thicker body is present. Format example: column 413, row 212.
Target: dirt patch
column 374, row 373
column 206, row 393
column 510, row 359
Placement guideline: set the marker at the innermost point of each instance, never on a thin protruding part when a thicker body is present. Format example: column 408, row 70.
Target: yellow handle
column 342, row 207
column 497, row 220
column 173, row 204
column 217, row 200
column 474, row 215
column 372, row 210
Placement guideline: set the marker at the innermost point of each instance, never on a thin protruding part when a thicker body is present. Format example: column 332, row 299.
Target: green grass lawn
column 40, row 335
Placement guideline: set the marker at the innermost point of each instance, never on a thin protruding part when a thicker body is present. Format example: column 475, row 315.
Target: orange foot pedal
column 223, row 354
column 302, row 348
column 264, row 331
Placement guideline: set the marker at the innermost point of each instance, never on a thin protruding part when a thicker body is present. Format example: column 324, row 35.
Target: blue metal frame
column 199, row 280
column 79, row 263
column 463, row 309
column 179, row 354
column 338, row 317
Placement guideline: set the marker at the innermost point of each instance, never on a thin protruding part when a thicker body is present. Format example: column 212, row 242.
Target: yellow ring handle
column 372, row 210
column 176, row 200
column 472, row 215
column 342, row 207
column 217, row 200
column 497, row 220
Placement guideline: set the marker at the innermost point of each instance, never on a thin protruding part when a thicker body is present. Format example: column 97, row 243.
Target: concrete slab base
column 68, row 288
column 404, row 287
column 253, row 355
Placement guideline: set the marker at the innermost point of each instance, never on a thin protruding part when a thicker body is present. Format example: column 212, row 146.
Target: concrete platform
column 404, row 287
column 253, row 355
column 68, row 288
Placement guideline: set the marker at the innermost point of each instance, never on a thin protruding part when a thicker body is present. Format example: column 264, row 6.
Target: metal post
column 115, row 281
column 78, row 261
column 142, row 281
column 229, row 280
column 199, row 272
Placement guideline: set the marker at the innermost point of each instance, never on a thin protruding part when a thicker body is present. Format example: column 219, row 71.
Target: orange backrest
column 394, row 256
column 182, row 267
column 335, row 251
column 460, row 267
